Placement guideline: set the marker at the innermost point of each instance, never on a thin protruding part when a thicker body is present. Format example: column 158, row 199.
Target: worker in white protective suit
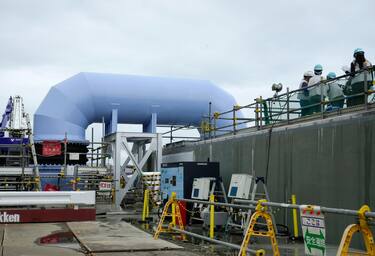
column 317, row 89
column 334, row 92
column 303, row 93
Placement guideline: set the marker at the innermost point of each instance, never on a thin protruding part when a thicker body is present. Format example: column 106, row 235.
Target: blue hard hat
column 318, row 67
column 331, row 75
column 358, row 50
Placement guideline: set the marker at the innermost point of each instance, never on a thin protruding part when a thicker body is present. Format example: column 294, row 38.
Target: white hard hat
column 308, row 74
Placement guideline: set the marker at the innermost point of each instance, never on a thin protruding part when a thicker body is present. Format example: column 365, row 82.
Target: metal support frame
column 133, row 146
column 33, row 153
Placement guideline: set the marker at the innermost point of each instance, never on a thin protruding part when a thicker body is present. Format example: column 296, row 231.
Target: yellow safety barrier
column 260, row 212
column 295, row 217
column 176, row 214
column 363, row 228
column 212, row 216
column 146, row 207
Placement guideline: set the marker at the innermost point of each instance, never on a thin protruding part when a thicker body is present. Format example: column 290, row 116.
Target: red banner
column 51, row 148
column 21, row 215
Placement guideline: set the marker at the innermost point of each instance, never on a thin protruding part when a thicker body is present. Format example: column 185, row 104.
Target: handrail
column 266, row 112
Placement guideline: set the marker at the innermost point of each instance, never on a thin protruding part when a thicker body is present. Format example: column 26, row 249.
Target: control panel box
column 179, row 177
column 201, row 188
column 240, row 185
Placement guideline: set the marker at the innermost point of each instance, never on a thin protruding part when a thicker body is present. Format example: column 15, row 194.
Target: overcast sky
column 241, row 45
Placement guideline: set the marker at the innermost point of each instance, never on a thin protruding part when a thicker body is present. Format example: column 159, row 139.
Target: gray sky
column 242, row 46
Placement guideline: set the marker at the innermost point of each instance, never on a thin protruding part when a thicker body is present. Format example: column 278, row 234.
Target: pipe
column 86, row 98
column 296, row 206
column 234, row 246
column 295, row 218
column 212, row 216
column 217, row 203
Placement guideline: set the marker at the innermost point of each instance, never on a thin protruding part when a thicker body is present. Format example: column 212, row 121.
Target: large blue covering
column 85, row 98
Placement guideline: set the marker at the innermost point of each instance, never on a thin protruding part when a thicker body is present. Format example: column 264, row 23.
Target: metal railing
column 173, row 129
column 312, row 102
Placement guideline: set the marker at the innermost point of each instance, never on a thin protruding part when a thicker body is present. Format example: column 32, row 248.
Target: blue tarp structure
column 86, row 98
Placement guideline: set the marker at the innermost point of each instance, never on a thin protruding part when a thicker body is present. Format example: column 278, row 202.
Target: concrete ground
column 111, row 236
column 38, row 240
column 106, row 237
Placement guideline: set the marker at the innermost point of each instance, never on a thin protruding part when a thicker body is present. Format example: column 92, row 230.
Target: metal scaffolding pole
column 234, row 246
column 216, row 203
column 297, row 206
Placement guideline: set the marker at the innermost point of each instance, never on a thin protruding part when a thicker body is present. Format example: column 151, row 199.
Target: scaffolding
column 142, row 150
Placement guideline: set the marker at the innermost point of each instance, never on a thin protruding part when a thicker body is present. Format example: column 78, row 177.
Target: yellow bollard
column 295, row 219
column 148, row 204
column 145, row 205
column 212, row 216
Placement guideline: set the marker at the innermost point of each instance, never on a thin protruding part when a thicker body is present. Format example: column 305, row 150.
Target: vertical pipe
column 65, row 151
column 260, row 112
column 287, row 104
column 209, row 118
column 116, row 154
column 234, row 120
column 92, row 146
column 22, row 162
column 145, row 205
column 97, row 156
column 295, row 220
column 102, row 156
column 148, row 204
column 212, row 216
column 173, row 213
column 171, row 136
column 257, row 115
column 215, row 124
column 33, row 153
column 74, row 180
column 321, row 100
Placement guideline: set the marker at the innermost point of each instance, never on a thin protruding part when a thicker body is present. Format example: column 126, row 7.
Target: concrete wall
column 326, row 162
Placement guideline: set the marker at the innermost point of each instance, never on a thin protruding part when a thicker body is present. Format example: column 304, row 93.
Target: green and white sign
column 313, row 230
